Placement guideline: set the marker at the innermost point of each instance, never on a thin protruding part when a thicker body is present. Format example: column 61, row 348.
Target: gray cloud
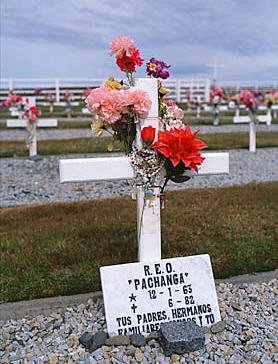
column 186, row 33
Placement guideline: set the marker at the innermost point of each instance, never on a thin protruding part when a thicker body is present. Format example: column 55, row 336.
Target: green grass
column 57, row 249
column 87, row 124
column 99, row 145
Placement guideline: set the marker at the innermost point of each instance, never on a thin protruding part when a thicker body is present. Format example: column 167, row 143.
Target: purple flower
column 38, row 90
column 157, row 69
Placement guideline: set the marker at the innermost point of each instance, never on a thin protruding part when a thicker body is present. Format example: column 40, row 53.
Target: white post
column 237, row 112
column 178, row 90
column 215, row 116
column 148, row 226
column 148, row 210
column 207, row 90
column 269, row 116
column 252, row 135
column 198, row 111
column 32, row 140
column 57, row 88
column 10, row 84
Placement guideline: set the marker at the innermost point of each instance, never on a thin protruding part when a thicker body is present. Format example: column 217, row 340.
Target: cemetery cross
column 32, row 130
column 252, row 120
column 116, row 168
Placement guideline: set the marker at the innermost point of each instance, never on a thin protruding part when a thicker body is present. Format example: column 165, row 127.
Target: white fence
column 181, row 89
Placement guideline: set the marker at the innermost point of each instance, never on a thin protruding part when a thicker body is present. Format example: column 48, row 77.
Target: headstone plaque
column 140, row 296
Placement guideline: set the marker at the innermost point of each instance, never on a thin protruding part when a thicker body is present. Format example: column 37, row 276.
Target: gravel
column 47, row 134
column 25, row 182
column 250, row 335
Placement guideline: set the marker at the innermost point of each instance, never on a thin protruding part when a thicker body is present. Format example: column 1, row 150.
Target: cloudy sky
column 69, row 38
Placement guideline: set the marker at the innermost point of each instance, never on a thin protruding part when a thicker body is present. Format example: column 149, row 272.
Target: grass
column 57, row 249
column 99, row 145
column 87, row 124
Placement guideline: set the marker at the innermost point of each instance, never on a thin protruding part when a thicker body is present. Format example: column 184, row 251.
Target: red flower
column 128, row 63
column 34, row 110
column 170, row 103
column 148, row 134
column 180, row 145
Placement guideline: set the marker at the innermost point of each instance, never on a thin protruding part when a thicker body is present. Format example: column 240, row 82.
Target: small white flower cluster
column 147, row 166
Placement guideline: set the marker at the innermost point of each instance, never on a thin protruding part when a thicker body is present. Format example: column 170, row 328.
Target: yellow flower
column 97, row 127
column 110, row 146
column 111, row 83
column 164, row 91
column 152, row 67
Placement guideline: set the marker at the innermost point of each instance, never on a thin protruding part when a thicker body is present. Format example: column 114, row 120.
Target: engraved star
column 129, row 281
column 133, row 307
column 132, row 297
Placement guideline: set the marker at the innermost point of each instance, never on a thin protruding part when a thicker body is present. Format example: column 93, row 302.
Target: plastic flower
column 170, row 103
column 175, row 112
column 248, row 99
column 121, row 46
column 128, row 63
column 148, row 134
column 98, row 127
column 32, row 112
column 140, row 100
column 163, row 91
column 111, row 83
column 157, row 68
column 180, row 145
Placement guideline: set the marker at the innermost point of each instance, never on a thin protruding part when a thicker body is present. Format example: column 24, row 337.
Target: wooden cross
column 252, row 126
column 116, row 168
column 24, row 123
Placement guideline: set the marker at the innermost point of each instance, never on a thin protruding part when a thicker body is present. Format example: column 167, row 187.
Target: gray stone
column 235, row 306
column 85, row 339
column 35, row 158
column 117, row 340
column 98, row 354
column 98, row 340
column 218, row 327
column 137, row 340
column 181, row 337
column 206, row 330
column 154, row 335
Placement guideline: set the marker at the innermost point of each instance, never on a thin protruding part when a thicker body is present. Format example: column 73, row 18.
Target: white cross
column 252, row 126
column 116, row 168
column 24, row 123
column 215, row 65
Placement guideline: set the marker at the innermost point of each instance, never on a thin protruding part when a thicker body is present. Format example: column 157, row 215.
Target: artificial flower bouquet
column 15, row 102
column 216, row 95
column 32, row 113
column 119, row 107
column 251, row 101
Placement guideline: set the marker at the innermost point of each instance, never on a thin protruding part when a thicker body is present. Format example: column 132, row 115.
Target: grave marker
column 252, row 126
column 32, row 130
column 147, row 294
column 148, row 214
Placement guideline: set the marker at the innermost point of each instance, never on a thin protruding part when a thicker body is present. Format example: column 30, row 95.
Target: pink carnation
column 140, row 100
column 113, row 106
column 110, row 104
column 96, row 98
column 121, row 46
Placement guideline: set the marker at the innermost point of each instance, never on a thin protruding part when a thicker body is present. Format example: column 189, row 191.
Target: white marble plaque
column 140, row 296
